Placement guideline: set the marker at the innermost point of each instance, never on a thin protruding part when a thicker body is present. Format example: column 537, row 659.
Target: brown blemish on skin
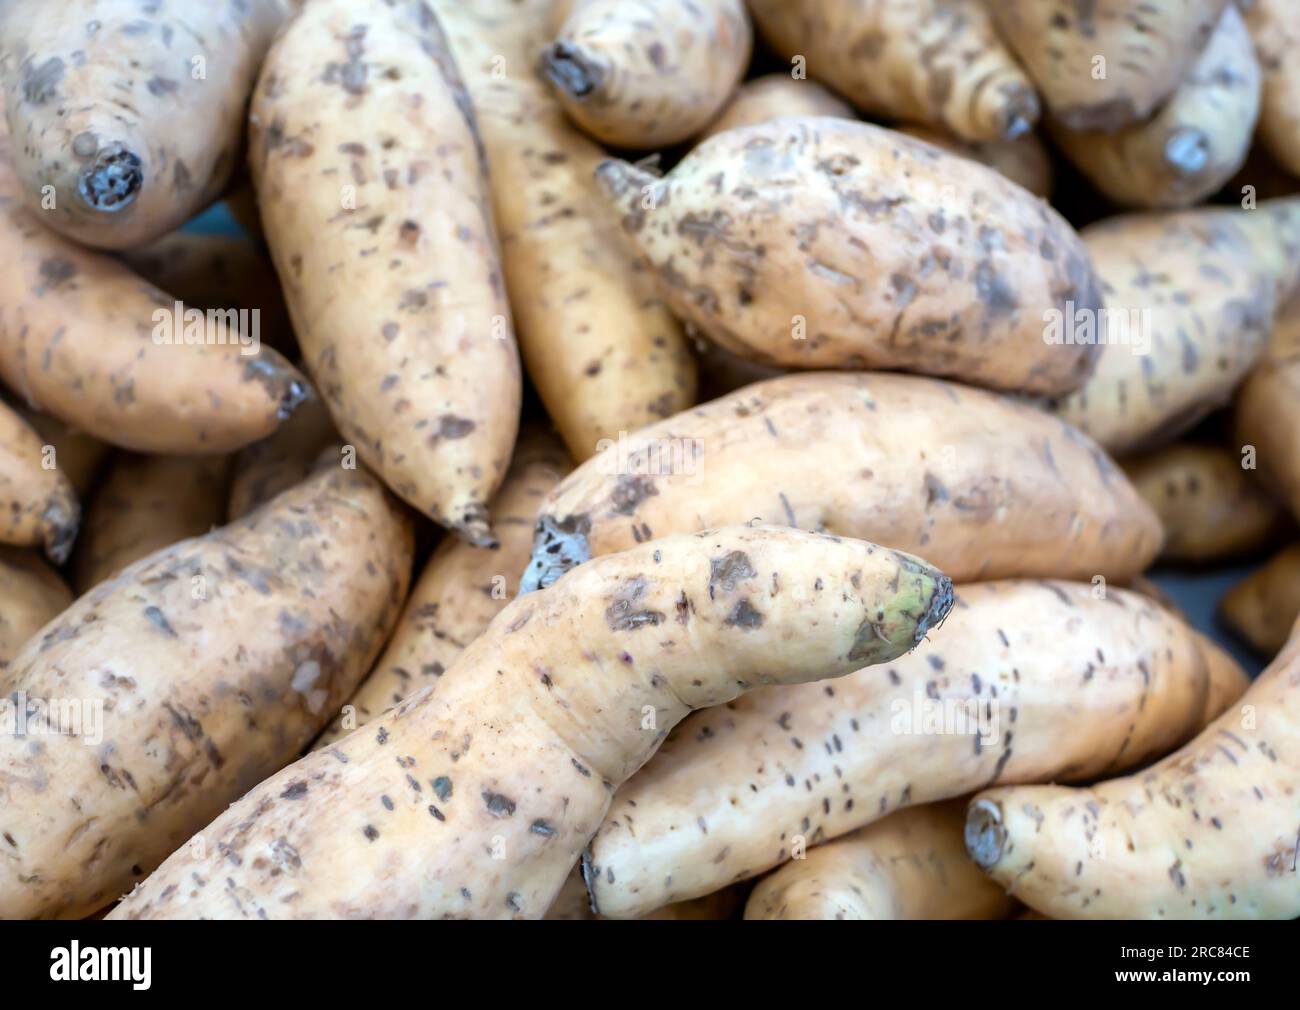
column 40, row 84
column 622, row 613
column 744, row 616
column 498, row 805
column 726, row 572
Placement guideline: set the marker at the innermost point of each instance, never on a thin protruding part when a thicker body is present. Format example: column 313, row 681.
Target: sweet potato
column 38, row 506
column 773, row 96
column 275, row 464
column 372, row 186
column 1190, row 299
column 651, row 73
column 1267, row 409
column 1025, row 682
column 911, row 865
column 460, row 590
column 31, row 595
column 143, row 504
column 1104, row 64
column 1194, row 144
column 821, row 242
column 1025, row 160
column 79, row 456
column 475, row 799
column 201, row 669
column 572, row 904
column 1209, row 832
column 1276, row 33
column 936, row 62
column 1263, row 607
column 987, row 487
column 128, row 117
column 1211, row 508
column 602, row 349
column 85, row 339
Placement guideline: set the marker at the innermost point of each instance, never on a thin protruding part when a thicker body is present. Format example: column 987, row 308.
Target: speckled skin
column 275, row 464
column 372, row 185
column 1212, row 509
column 31, row 595
column 1267, row 411
column 1276, row 34
column 819, row 242
column 1209, row 832
column 600, row 345
column 1263, row 607
column 461, row 589
column 143, row 504
column 207, row 688
column 937, row 62
column 79, row 456
column 1025, row 160
column 773, row 96
column 1197, row 140
column 1209, row 293
column 1082, row 686
column 38, row 507
column 911, row 865
column 1149, row 48
column 647, row 74
column 519, row 749
column 107, row 105
column 986, row 487
column 76, row 341
column 572, row 904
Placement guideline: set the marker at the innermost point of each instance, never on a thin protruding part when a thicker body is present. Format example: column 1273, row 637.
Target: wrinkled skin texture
column 1263, row 607
column 38, row 506
column 934, row 62
column 1148, row 50
column 985, row 487
column 133, row 113
column 1276, row 32
column 821, row 242
column 215, row 661
column 647, row 73
column 1211, row 507
column 911, row 865
column 1194, row 144
column 1267, row 413
column 773, row 96
column 1071, row 687
column 600, row 345
column 460, row 591
column 1202, row 287
column 372, row 185
column 520, row 747
column 146, row 503
column 1025, row 160
column 31, row 595
column 1209, row 832
column 275, row 464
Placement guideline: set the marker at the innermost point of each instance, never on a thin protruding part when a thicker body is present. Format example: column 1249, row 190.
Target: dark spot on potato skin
column 622, row 613
column 744, row 616
column 41, row 83
column 498, row 805
column 726, row 572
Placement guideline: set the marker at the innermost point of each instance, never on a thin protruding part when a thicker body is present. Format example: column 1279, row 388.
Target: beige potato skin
column 1209, row 832
column 460, row 591
column 1194, row 144
column 986, row 487
column 31, row 595
column 911, row 865
column 133, row 113
column 821, row 242
column 1025, row 160
column 573, row 905
column 79, row 456
column 397, row 298
column 207, row 688
column 647, row 73
column 600, row 345
column 38, row 506
column 1267, row 409
column 936, row 62
column 1212, row 509
column 275, row 464
column 1263, row 607
column 1082, row 686
column 773, row 96
column 1148, row 49
column 519, row 749
column 1276, row 33
column 1206, row 282
column 143, row 504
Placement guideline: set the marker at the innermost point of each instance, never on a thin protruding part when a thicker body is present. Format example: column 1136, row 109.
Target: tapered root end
column 283, row 383
column 1019, row 113
column 621, row 179
column 986, row 834
column 475, row 527
column 62, row 520
column 1187, row 151
column 571, row 71
column 587, row 879
column 940, row 604
column 113, row 180
column 558, row 546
